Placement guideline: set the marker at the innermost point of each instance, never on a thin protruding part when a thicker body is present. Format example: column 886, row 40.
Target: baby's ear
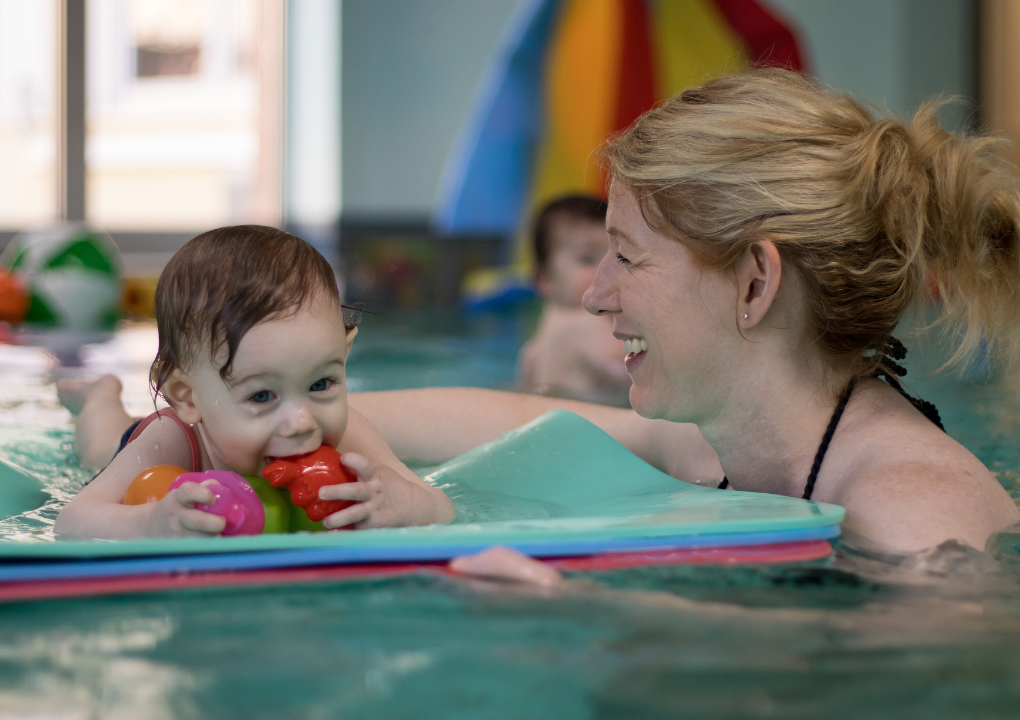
column 351, row 334
column 544, row 283
column 180, row 394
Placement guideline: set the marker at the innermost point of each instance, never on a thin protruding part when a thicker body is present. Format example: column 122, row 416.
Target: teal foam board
column 593, row 489
column 310, row 557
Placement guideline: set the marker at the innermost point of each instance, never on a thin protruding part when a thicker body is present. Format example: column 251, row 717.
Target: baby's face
column 576, row 249
column 287, row 393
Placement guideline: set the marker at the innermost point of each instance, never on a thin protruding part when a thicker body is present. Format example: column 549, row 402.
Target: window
column 29, row 33
column 182, row 128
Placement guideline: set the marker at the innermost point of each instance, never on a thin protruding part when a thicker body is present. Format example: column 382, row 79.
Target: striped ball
column 73, row 276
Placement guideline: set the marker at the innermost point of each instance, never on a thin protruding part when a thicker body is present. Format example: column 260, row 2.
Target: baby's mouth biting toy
column 304, row 475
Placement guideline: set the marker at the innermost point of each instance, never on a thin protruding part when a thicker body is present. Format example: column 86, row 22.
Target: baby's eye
column 261, row 397
column 322, row 384
column 622, row 260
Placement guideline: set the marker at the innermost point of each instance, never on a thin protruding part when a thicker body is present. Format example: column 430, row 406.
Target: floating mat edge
column 536, row 460
column 11, row 572
column 164, row 582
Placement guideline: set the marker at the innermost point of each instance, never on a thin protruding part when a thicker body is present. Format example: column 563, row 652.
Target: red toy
column 303, row 475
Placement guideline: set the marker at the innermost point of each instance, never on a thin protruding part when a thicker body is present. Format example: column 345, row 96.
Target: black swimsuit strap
column 826, row 439
column 809, row 488
column 894, row 351
column 892, row 371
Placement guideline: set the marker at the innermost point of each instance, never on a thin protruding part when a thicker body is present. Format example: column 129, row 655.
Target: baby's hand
column 384, row 498
column 176, row 515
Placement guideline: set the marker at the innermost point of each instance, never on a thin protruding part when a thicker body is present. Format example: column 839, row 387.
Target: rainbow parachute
column 568, row 74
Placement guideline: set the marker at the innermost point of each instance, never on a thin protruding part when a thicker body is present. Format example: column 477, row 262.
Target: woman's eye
column 261, row 397
column 622, row 260
column 322, row 385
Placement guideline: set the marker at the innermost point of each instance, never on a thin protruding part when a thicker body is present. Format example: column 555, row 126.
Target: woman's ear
column 545, row 285
column 758, row 274
column 351, row 334
column 179, row 392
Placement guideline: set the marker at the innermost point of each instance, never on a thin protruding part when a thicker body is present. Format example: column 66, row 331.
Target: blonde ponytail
column 973, row 248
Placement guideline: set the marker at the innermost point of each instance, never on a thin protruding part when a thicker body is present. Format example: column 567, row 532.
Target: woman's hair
column 574, row 207
column 874, row 214
column 223, row 283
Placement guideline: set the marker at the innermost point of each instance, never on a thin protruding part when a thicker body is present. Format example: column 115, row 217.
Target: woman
column 767, row 237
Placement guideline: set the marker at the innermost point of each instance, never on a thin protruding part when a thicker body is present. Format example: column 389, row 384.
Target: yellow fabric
column 692, row 43
column 582, row 78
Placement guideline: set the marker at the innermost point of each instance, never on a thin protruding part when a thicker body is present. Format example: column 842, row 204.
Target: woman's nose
column 601, row 296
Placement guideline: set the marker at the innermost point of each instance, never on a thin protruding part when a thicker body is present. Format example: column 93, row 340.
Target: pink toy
column 235, row 501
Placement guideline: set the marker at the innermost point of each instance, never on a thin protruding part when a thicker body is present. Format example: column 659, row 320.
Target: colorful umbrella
column 568, row 74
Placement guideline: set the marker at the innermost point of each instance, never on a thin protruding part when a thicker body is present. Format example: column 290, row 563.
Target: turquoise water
column 935, row 635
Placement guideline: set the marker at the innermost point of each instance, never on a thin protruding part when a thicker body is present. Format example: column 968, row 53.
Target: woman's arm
column 433, row 425
column 362, row 437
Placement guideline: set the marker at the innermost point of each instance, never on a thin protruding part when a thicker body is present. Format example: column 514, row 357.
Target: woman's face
column 675, row 318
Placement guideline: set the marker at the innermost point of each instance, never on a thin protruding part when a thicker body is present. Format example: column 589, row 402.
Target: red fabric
column 770, row 42
column 636, row 91
column 196, row 451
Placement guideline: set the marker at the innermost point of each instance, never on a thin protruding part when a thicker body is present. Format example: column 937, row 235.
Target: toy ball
column 14, row 298
column 72, row 274
column 152, row 485
column 275, row 504
column 235, row 501
column 305, row 475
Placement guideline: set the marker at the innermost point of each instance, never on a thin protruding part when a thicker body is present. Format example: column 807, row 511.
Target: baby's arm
column 97, row 511
column 526, row 362
column 387, row 493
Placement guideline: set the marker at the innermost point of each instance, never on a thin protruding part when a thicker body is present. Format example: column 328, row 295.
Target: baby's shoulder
column 164, row 436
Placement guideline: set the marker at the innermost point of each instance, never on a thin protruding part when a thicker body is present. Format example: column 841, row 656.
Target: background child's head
column 223, row 283
column 570, row 240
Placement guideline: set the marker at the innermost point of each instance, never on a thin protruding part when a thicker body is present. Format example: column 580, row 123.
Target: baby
column 572, row 354
column 252, row 356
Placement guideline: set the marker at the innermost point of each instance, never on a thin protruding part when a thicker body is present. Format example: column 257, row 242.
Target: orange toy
column 14, row 298
column 152, row 485
column 303, row 475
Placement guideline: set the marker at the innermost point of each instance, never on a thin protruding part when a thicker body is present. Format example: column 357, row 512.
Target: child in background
column 253, row 346
column 572, row 354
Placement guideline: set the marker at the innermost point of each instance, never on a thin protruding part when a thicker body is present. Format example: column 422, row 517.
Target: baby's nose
column 299, row 420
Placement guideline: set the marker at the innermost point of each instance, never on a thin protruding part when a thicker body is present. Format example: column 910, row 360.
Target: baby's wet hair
column 574, row 207
column 226, row 281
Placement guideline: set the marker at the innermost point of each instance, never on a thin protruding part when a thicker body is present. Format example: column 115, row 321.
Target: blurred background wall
column 411, row 70
column 337, row 118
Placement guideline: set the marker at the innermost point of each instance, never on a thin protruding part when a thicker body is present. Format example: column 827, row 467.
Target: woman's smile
column 635, row 349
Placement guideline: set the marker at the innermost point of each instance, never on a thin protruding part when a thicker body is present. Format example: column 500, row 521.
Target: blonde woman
column 767, row 237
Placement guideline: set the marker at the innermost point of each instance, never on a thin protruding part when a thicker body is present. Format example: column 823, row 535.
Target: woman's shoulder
column 907, row 484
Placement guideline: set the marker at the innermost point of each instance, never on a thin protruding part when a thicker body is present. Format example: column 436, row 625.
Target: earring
column 745, row 316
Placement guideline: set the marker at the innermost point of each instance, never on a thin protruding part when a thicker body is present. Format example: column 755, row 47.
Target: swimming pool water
column 934, row 635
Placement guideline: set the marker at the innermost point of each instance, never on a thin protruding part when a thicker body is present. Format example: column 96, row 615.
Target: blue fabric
column 487, row 179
